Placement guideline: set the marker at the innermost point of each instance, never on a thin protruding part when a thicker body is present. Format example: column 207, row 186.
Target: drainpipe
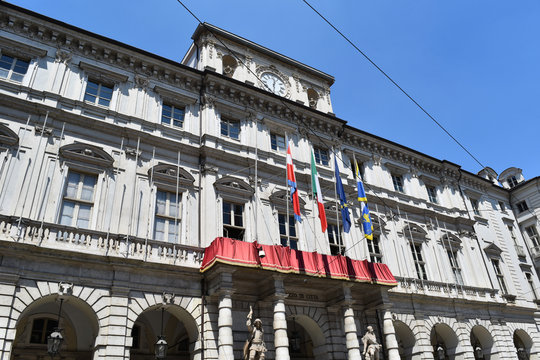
column 470, row 217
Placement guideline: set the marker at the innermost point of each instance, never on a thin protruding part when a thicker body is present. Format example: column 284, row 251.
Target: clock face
column 274, row 84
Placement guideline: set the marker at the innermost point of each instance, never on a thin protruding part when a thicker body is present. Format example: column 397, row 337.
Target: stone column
column 390, row 336
column 225, row 320
column 351, row 335
column 281, row 341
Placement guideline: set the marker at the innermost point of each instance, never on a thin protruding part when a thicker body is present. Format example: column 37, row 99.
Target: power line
column 395, row 83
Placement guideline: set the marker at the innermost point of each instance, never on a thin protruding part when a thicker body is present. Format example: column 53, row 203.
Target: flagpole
column 336, row 199
column 256, row 183
column 287, row 191
column 313, row 196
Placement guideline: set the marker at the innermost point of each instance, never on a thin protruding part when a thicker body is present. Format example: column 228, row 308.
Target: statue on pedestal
column 371, row 346
column 254, row 348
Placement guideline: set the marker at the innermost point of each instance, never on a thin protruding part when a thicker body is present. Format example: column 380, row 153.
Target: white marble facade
column 97, row 140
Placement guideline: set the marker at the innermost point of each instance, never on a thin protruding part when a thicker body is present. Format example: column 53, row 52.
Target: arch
column 481, row 341
column 304, row 316
column 313, row 341
column 523, row 344
column 444, row 340
column 405, row 338
column 78, row 321
column 179, row 329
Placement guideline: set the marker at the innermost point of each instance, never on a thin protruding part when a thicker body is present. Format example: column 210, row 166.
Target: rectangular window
column 287, row 231
column 12, row 68
column 167, row 217
column 532, row 233
column 230, row 128
column 397, row 180
column 374, row 248
column 529, row 278
column 277, row 142
column 172, row 115
column 432, row 193
column 321, row 156
column 456, row 269
column 41, row 329
column 522, row 206
column 419, row 264
column 512, row 181
column 78, row 200
column 335, row 240
column 501, row 206
column 98, row 93
column 500, row 276
column 475, row 207
column 233, row 220
column 512, row 234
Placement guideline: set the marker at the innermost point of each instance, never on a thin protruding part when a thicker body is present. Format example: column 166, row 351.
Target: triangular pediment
column 493, row 250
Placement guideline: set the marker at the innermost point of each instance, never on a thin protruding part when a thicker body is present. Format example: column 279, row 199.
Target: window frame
column 45, row 331
column 174, row 108
column 475, row 205
column 229, row 122
column 418, row 259
column 320, row 154
column 398, row 183
column 233, row 216
column 78, row 201
column 14, row 63
column 274, row 137
column 167, row 218
column 522, row 206
column 335, row 239
column 512, row 181
column 454, row 266
column 432, row 194
column 374, row 249
column 98, row 95
column 500, row 276
column 286, row 238
column 532, row 234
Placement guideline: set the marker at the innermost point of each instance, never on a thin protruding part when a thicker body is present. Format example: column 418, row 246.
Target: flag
column 359, row 185
column 342, row 200
column 366, row 221
column 291, row 180
column 317, row 192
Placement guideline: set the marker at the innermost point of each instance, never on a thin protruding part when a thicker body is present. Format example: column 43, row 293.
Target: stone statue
column 254, row 348
column 371, row 346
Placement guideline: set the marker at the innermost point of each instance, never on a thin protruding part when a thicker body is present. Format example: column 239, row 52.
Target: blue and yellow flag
column 359, row 185
column 366, row 222
column 346, row 218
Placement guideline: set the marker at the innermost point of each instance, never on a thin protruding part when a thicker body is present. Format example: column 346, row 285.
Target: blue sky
column 474, row 65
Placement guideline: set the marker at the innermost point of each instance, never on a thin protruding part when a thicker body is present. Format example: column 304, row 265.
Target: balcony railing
column 413, row 285
column 99, row 243
column 520, row 251
column 535, row 251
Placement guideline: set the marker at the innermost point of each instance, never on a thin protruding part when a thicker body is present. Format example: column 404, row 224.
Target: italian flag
column 318, row 193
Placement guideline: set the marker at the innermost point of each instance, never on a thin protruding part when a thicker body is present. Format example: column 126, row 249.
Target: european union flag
column 342, row 200
column 366, row 223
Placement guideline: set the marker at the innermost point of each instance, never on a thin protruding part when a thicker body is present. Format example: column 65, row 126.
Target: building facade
column 119, row 167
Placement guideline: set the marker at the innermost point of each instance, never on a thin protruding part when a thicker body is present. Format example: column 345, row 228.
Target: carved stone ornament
column 87, row 154
column 141, row 82
column 208, row 101
column 132, row 152
column 377, row 159
column 167, row 298
column 63, row 56
column 65, row 288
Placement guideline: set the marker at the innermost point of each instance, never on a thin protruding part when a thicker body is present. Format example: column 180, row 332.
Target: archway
column 78, row 324
column 405, row 339
column 306, row 339
column 178, row 328
column 481, row 342
column 444, row 341
column 523, row 344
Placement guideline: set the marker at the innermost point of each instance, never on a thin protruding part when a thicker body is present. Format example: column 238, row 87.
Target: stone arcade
column 118, row 168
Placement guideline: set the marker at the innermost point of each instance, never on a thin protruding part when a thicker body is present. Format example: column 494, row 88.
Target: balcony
column 68, row 238
column 436, row 288
column 520, row 251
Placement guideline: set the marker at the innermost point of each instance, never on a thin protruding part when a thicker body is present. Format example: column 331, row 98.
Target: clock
column 273, row 83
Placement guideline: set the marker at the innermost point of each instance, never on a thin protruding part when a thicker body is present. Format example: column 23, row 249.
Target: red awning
column 285, row 260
